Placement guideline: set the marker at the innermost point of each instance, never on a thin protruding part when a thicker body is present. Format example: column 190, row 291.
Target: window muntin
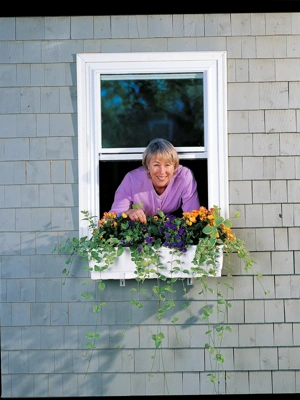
column 90, row 69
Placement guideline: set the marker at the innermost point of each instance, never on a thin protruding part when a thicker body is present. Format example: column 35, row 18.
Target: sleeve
column 190, row 198
column 123, row 196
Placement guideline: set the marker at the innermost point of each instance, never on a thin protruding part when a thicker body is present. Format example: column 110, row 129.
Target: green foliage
column 158, row 339
column 205, row 229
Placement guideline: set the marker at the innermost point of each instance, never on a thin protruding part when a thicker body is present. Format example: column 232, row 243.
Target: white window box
column 124, row 267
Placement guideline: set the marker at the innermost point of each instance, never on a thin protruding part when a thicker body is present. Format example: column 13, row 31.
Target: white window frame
column 89, row 68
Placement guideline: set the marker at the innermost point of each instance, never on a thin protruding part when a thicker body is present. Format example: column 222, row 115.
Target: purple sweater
column 137, row 186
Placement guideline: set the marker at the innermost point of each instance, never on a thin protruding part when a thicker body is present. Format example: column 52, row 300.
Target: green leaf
column 220, row 358
column 120, row 251
column 101, row 285
column 158, row 339
column 227, row 223
column 219, row 221
column 169, row 289
column 160, row 214
column 207, row 229
column 136, row 303
column 137, row 206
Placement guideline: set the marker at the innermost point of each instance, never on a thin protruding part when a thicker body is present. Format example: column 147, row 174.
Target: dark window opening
column 112, row 173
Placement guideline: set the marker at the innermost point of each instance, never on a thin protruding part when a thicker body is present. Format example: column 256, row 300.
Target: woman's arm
column 123, row 201
column 190, row 198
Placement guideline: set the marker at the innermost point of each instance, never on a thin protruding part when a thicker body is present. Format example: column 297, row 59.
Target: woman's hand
column 136, row 215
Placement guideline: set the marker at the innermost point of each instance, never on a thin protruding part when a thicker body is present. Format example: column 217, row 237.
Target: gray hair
column 162, row 148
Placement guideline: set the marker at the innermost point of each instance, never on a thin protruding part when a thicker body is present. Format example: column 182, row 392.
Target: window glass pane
column 137, row 109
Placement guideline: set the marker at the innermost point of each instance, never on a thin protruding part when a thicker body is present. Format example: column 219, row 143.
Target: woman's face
column 161, row 171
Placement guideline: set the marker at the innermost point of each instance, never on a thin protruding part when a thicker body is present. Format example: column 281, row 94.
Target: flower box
column 125, row 268
column 165, row 247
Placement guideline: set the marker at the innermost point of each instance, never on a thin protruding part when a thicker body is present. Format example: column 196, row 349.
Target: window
column 126, row 99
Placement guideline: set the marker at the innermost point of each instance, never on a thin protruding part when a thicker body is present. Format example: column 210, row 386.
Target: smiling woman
column 160, row 184
column 161, row 171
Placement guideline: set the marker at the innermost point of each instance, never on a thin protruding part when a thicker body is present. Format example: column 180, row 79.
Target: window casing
column 91, row 68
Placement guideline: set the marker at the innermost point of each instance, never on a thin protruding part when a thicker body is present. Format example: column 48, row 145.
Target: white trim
column 120, row 150
column 139, row 156
column 89, row 68
column 150, row 76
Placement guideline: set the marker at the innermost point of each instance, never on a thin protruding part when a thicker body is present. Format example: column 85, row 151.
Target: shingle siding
column 43, row 322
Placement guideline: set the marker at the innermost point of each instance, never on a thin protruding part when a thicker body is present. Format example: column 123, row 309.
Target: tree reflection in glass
column 136, row 109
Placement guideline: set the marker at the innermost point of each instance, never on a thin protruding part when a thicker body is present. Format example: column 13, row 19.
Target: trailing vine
column 205, row 230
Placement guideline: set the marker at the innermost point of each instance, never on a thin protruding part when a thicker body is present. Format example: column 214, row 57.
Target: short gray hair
column 164, row 149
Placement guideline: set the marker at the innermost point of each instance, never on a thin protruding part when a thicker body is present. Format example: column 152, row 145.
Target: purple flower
column 181, row 230
column 170, row 217
column 149, row 239
column 169, row 225
column 126, row 244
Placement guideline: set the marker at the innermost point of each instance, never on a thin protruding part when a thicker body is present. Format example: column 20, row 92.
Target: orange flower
column 106, row 217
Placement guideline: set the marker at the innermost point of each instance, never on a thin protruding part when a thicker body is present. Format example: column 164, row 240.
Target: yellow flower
column 124, row 215
column 231, row 237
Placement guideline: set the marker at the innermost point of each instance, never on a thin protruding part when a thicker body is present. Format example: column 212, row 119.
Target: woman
column 161, row 183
